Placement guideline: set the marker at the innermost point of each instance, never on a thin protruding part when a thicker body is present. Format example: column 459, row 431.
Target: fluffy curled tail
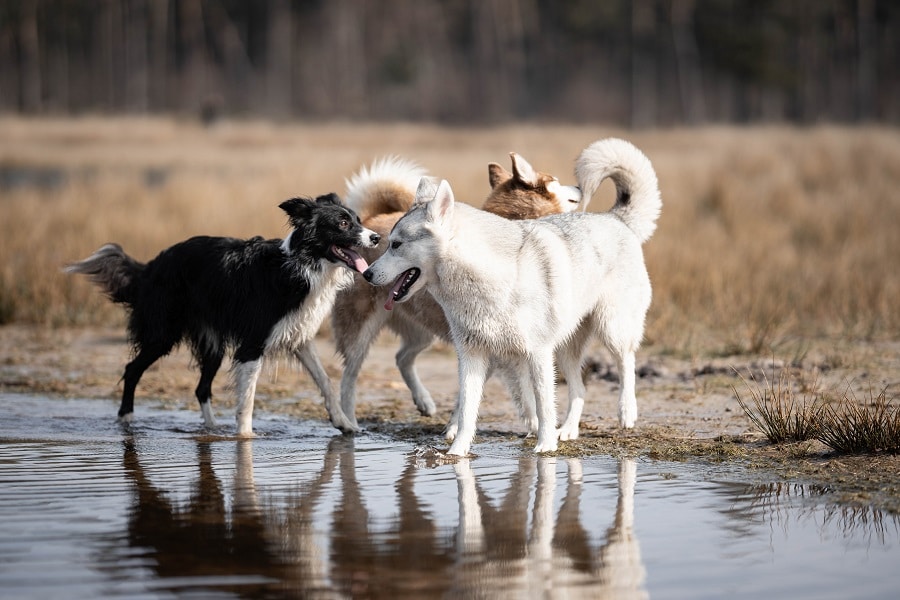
column 638, row 202
column 112, row 270
column 387, row 186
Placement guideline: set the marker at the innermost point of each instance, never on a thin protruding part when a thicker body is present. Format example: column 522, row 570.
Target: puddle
column 163, row 509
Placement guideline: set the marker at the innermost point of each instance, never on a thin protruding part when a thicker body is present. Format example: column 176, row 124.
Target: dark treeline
column 631, row 62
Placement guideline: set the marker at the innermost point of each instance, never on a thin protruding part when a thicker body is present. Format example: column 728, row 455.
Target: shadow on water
column 162, row 508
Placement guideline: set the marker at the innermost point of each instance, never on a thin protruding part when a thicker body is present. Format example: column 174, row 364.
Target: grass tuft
column 851, row 427
column 847, row 426
column 779, row 413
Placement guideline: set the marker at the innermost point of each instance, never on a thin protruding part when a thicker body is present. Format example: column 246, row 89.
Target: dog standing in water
column 381, row 194
column 254, row 297
column 529, row 295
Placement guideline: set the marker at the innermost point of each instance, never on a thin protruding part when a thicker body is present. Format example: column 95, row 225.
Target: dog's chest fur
column 301, row 324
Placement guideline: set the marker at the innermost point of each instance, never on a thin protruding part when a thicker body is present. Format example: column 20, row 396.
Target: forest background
column 634, row 63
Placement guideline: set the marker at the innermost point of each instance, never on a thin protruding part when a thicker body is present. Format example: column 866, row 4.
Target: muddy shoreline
column 687, row 408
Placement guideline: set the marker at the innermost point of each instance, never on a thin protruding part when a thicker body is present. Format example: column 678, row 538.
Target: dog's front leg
column 542, row 377
column 473, row 368
column 245, row 376
column 309, row 358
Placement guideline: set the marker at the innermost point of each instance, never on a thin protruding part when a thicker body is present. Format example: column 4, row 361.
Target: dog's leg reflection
column 621, row 568
column 495, row 553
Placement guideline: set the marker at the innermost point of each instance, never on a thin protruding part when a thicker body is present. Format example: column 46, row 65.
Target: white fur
column 245, row 377
column 516, row 292
column 405, row 173
column 294, row 335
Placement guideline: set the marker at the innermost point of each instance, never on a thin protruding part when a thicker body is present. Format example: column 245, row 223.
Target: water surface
column 162, row 508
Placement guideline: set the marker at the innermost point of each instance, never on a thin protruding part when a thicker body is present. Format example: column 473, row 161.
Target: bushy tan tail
column 387, row 186
column 638, row 202
column 112, row 270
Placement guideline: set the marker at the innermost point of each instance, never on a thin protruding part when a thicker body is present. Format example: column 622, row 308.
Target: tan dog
column 381, row 194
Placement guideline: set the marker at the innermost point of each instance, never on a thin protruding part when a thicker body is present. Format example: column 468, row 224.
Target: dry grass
column 853, row 427
column 781, row 413
column 793, row 411
column 767, row 234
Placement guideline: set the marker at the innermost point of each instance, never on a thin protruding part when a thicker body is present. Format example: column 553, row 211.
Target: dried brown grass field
column 768, row 236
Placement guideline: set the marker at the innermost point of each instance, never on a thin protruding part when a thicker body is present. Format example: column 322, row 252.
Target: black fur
column 220, row 294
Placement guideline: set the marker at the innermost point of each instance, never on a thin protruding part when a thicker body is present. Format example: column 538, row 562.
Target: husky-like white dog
column 518, row 294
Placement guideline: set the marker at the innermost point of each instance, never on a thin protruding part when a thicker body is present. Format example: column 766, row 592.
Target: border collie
column 251, row 297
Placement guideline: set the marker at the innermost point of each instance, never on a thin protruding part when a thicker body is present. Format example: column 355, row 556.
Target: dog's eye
column 344, row 224
column 395, row 244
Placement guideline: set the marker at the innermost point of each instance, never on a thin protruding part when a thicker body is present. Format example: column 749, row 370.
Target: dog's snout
column 367, row 274
column 374, row 238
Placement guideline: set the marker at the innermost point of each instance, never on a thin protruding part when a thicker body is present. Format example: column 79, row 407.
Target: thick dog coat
column 254, row 297
column 381, row 194
column 526, row 294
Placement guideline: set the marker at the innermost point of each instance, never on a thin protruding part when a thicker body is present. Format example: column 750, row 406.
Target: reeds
column 846, row 425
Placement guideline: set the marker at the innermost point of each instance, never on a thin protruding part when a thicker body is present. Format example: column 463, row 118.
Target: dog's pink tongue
column 389, row 305
column 360, row 264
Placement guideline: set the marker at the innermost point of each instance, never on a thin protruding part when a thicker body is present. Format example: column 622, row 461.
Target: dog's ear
column 440, row 209
column 427, row 189
column 330, row 198
column 497, row 175
column 523, row 171
column 298, row 209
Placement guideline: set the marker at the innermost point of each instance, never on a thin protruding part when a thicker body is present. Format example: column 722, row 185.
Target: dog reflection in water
column 275, row 539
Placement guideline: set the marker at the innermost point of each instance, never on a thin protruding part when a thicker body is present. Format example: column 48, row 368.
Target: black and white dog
column 253, row 297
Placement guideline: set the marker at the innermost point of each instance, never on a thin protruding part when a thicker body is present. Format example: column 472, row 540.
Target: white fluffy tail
column 388, row 185
column 638, row 202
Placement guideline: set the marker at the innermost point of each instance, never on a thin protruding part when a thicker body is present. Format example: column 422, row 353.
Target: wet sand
column 687, row 408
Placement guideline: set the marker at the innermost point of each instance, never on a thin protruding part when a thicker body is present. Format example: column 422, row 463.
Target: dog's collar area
column 349, row 257
column 401, row 287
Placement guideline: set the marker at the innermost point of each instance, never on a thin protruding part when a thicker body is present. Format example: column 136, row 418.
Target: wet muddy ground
column 687, row 408
column 164, row 508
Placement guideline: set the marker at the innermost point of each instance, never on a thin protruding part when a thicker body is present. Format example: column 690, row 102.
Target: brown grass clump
column 779, row 413
column 767, row 235
column 847, row 426
column 852, row 427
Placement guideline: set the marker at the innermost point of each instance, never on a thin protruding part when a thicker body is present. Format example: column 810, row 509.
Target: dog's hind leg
column 569, row 359
column 522, row 396
column 309, row 358
column 415, row 340
column 542, row 376
column 627, row 399
column 209, row 366
column 146, row 356
column 245, row 373
column 353, row 342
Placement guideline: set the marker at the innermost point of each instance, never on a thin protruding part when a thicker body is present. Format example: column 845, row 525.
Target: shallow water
column 161, row 509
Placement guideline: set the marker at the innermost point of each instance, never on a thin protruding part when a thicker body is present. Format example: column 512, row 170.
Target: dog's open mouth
column 354, row 261
column 401, row 287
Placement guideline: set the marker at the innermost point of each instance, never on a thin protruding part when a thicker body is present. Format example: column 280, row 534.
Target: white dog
column 519, row 293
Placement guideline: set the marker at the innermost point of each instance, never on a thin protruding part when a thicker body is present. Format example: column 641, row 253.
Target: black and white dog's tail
column 638, row 202
column 113, row 271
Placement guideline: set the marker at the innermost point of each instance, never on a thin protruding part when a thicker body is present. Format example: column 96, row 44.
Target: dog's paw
column 626, row 422
column 451, row 431
column 345, row 425
column 546, row 446
column 246, row 433
column 126, row 418
column 425, row 405
column 458, row 448
column 567, row 432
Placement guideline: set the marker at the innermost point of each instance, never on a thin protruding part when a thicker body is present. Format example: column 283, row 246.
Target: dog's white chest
column 301, row 324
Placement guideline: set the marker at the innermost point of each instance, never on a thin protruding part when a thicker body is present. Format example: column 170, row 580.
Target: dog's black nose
column 367, row 274
column 375, row 238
